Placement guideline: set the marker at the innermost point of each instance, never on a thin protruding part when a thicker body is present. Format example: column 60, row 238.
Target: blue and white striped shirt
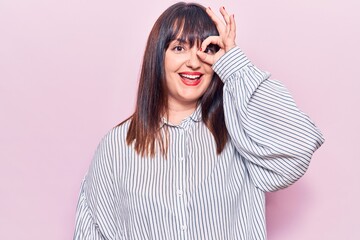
column 195, row 193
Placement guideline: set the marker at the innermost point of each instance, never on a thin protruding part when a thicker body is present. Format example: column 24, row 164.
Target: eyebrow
column 178, row 41
column 181, row 40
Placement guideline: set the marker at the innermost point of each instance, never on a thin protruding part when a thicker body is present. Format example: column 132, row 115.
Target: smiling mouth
column 191, row 79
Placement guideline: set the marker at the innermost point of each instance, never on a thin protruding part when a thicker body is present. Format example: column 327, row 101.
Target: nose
column 193, row 60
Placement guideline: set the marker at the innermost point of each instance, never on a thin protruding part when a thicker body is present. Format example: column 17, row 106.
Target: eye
column 178, row 48
column 211, row 49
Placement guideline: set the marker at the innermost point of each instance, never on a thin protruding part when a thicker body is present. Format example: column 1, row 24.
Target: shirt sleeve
column 274, row 138
column 95, row 209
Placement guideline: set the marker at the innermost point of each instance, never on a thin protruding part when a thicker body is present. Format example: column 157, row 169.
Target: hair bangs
column 191, row 25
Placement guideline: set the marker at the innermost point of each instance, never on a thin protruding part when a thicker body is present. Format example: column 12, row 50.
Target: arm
column 274, row 137
column 94, row 216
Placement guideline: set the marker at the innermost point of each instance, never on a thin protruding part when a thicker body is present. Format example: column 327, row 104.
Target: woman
column 209, row 136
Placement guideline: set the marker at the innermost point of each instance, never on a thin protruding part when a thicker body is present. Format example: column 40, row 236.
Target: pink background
column 68, row 73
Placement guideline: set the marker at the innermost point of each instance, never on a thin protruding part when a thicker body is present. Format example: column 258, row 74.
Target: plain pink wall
column 68, row 73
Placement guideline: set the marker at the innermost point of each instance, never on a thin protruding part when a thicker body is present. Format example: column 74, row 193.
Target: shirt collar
column 195, row 116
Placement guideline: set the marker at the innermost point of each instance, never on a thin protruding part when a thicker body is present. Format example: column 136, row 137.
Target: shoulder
column 115, row 138
column 117, row 135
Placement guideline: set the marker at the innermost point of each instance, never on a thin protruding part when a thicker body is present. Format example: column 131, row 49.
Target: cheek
column 210, row 73
column 208, row 70
column 173, row 63
column 207, row 82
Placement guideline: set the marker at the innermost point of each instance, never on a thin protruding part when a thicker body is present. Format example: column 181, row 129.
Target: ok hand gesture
column 225, row 40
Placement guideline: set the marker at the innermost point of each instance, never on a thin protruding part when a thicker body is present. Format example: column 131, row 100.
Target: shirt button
column 183, row 227
column 179, row 192
column 181, row 159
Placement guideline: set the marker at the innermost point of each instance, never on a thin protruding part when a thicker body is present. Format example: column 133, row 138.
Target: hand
column 225, row 40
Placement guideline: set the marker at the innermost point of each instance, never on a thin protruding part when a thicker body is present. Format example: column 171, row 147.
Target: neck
column 179, row 113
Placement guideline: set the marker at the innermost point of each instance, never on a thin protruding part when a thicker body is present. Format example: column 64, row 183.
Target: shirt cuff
column 230, row 62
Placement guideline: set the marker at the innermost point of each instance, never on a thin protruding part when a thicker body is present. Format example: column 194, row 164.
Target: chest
column 191, row 167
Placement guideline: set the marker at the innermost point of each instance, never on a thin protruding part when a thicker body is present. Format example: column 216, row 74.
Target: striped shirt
column 195, row 193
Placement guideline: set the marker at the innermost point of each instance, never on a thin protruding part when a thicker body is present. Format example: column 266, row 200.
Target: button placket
column 181, row 180
column 183, row 227
column 179, row 192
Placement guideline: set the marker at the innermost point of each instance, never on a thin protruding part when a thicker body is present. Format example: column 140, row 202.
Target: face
column 187, row 77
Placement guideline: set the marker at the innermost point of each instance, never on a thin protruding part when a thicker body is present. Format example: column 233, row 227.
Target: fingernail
column 223, row 7
column 209, row 8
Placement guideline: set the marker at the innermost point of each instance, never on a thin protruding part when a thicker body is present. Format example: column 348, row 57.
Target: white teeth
column 191, row 76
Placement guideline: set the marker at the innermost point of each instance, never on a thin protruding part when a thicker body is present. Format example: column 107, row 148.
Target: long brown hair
column 190, row 22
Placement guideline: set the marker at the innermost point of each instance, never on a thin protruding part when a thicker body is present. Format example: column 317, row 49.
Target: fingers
column 227, row 29
column 226, row 38
column 214, row 17
column 216, row 40
column 232, row 25
column 230, row 22
column 225, row 15
column 218, row 22
column 205, row 57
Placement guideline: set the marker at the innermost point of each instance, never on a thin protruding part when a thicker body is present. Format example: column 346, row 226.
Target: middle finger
column 225, row 15
column 217, row 21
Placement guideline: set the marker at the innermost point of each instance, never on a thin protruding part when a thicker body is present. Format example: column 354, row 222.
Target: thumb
column 209, row 59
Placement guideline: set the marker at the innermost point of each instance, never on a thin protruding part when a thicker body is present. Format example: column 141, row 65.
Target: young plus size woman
column 210, row 134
